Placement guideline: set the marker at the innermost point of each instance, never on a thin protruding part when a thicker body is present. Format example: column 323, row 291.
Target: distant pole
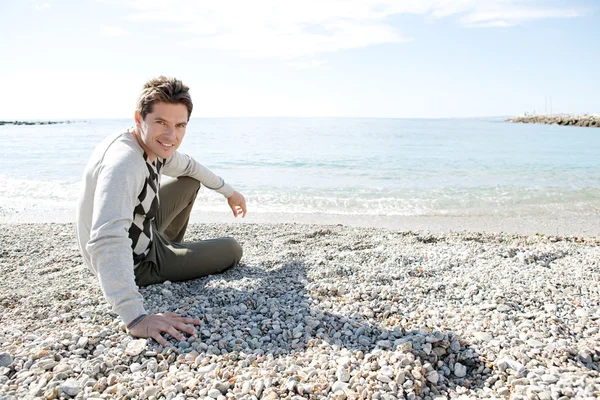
column 550, row 105
column 546, row 104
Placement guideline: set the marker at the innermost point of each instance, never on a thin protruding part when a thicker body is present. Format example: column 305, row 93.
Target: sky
column 311, row 58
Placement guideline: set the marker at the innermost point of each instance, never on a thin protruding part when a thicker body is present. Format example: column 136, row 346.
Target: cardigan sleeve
column 180, row 164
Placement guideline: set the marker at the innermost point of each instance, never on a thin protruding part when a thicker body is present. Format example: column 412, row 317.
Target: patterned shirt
column 140, row 232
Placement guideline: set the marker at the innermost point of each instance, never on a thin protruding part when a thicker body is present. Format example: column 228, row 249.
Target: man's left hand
column 237, row 204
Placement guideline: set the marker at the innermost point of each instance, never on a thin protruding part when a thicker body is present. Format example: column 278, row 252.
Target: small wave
column 38, row 191
column 443, row 201
column 494, row 200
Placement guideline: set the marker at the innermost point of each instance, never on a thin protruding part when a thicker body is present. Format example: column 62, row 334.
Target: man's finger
column 186, row 328
column 175, row 333
column 159, row 338
column 171, row 315
column 181, row 322
column 192, row 321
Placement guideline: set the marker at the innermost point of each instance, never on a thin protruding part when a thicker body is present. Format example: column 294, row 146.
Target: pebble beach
column 314, row 312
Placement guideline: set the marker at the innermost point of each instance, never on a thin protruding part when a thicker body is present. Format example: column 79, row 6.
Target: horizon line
column 265, row 117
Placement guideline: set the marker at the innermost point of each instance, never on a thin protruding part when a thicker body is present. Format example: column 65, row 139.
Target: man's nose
column 170, row 131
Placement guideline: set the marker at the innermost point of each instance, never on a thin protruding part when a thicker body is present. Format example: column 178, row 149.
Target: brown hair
column 165, row 90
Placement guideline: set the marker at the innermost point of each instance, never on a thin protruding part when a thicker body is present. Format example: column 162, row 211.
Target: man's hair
column 164, row 90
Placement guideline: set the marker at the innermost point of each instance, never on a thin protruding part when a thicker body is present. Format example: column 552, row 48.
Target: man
column 130, row 225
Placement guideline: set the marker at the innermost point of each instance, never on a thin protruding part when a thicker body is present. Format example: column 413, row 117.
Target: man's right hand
column 237, row 203
column 153, row 326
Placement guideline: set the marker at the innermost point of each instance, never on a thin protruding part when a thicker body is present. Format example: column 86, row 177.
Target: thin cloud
column 513, row 15
column 41, row 6
column 269, row 28
column 311, row 63
column 305, row 29
column 491, row 24
column 113, row 31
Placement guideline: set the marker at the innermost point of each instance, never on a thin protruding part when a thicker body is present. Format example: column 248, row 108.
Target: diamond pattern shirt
column 140, row 232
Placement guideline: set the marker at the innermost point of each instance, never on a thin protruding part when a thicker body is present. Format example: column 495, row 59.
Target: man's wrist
column 136, row 321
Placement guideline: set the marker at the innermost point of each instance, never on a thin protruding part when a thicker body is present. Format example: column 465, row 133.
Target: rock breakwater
column 567, row 120
column 35, row 122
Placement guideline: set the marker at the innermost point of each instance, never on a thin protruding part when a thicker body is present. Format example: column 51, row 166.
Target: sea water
column 339, row 166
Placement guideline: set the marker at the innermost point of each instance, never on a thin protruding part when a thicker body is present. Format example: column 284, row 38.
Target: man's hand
column 154, row 325
column 237, row 204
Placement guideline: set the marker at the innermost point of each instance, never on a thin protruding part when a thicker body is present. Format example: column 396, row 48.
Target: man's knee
column 234, row 249
column 189, row 183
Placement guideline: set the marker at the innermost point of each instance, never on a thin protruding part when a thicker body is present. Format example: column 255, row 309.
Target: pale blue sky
column 351, row 58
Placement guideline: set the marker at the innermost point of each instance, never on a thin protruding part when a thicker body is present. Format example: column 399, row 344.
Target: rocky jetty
column 592, row 120
column 35, row 122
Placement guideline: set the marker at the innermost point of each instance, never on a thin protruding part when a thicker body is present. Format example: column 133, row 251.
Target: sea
column 346, row 167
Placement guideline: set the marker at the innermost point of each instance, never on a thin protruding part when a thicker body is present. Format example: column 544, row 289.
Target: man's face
column 160, row 133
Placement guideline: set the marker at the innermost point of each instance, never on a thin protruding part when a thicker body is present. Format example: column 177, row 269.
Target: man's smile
column 165, row 144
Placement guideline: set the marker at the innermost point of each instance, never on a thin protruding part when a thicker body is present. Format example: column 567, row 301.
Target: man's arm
column 117, row 188
column 109, row 246
column 180, row 164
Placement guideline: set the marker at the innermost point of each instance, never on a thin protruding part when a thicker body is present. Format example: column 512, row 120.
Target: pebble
column 5, row 359
column 483, row 336
column 151, row 391
column 135, row 367
column 433, row 377
column 82, row 342
column 580, row 312
column 70, row 388
column 548, row 378
column 460, row 370
column 222, row 387
column 314, row 312
column 135, row 347
column 503, row 391
column 339, row 386
column 342, row 374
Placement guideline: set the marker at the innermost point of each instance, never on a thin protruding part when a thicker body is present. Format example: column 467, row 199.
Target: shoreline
column 564, row 225
column 579, row 224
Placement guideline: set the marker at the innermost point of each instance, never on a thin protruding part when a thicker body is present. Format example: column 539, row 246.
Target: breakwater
column 592, row 120
column 35, row 122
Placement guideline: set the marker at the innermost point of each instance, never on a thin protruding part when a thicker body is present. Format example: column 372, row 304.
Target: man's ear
column 138, row 119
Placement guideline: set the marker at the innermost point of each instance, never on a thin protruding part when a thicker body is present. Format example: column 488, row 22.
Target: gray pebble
column 460, row 370
column 5, row 359
column 70, row 388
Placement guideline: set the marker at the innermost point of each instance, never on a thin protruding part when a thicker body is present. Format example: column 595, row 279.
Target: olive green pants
column 169, row 258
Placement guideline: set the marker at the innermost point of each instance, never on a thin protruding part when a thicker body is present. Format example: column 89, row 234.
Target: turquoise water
column 339, row 165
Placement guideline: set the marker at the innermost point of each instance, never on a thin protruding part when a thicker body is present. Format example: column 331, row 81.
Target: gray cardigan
column 112, row 181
